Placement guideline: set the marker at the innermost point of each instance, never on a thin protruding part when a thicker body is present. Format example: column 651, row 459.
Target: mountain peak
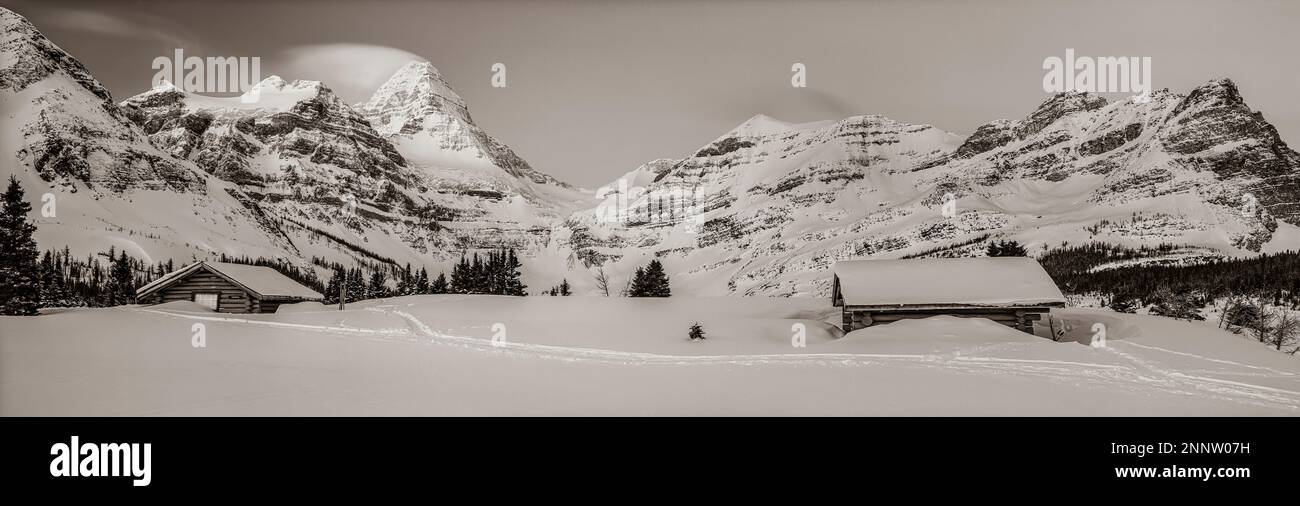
column 30, row 57
column 762, row 124
column 418, row 89
column 11, row 21
column 417, row 70
column 9, row 18
column 277, row 84
column 1070, row 101
column 1220, row 92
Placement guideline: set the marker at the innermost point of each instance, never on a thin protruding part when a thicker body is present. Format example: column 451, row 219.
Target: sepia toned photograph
column 730, row 208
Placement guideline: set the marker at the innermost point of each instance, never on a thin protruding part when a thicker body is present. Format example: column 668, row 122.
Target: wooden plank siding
column 1018, row 317
column 231, row 298
column 234, row 295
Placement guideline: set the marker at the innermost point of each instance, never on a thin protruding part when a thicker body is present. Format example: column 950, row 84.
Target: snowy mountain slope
column 64, row 136
column 419, row 112
column 337, row 189
column 343, row 189
column 782, row 202
column 288, row 170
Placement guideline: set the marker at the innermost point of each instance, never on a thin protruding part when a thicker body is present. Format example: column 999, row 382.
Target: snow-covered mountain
column 421, row 188
column 290, row 170
column 102, row 182
column 287, row 170
column 782, row 202
column 419, row 112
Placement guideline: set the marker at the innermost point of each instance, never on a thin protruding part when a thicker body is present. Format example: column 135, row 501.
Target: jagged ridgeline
column 785, row 201
column 289, row 171
column 407, row 177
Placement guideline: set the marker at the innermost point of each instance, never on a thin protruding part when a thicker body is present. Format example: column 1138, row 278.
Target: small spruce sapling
column 697, row 332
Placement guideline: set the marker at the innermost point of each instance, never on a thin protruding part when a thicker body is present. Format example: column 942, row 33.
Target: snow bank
column 435, row 355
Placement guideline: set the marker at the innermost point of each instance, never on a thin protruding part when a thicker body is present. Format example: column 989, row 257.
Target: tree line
column 30, row 280
column 1273, row 277
column 1255, row 296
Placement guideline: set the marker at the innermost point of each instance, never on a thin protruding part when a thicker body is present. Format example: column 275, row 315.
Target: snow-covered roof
column 989, row 281
column 263, row 281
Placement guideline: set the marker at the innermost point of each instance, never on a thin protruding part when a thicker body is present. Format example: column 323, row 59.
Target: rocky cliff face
column 298, row 124
column 1213, row 129
column 63, row 126
column 334, row 181
column 783, row 202
column 104, row 182
column 288, row 170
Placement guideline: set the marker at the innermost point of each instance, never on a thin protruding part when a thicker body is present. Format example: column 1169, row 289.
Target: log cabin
column 227, row 288
column 1013, row 291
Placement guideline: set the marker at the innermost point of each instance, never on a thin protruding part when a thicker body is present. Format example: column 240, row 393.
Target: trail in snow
column 1141, row 374
column 1209, row 359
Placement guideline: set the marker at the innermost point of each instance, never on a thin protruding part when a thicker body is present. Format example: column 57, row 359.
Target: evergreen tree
column 378, row 287
column 460, row 276
column 696, row 332
column 652, row 282
column 405, row 283
column 1182, row 306
column 121, row 283
column 20, row 284
column 422, row 282
column 54, row 285
column 1123, row 304
column 492, row 278
column 356, row 286
column 513, row 284
column 1241, row 314
column 477, row 275
column 439, row 285
column 1008, row 248
column 636, row 288
column 560, row 290
column 332, row 287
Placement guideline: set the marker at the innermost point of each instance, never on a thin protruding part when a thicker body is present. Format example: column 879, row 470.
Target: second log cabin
column 1014, row 291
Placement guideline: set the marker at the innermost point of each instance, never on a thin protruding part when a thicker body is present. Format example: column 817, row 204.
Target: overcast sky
column 595, row 89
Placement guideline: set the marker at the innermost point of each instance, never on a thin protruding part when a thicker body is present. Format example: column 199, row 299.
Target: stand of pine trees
column 1172, row 288
column 560, row 290
column 497, row 273
column 1010, row 248
column 650, row 281
column 105, row 279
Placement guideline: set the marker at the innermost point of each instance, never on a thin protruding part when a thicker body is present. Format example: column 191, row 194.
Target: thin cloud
column 101, row 23
column 353, row 71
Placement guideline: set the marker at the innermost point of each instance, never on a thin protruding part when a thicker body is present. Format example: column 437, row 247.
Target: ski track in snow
column 1140, row 375
column 1209, row 359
